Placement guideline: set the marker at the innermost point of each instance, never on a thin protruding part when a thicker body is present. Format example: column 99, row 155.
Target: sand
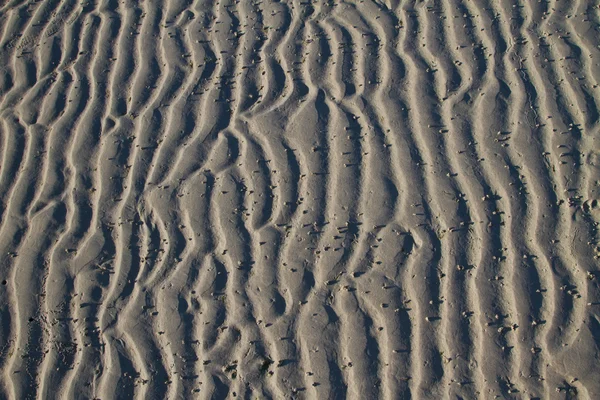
column 299, row 199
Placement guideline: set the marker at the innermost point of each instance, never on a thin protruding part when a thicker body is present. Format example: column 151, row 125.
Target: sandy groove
column 291, row 199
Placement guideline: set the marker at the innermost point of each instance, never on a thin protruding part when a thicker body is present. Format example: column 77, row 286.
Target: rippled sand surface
column 373, row 199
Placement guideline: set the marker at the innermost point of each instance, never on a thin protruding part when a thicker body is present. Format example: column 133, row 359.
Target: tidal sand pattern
column 260, row 199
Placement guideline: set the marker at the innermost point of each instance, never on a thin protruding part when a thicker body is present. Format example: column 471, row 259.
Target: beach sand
column 251, row 199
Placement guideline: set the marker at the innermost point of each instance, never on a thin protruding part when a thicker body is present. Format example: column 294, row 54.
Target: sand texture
column 260, row 199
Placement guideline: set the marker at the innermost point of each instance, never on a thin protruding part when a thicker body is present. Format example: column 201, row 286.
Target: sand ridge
column 299, row 199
